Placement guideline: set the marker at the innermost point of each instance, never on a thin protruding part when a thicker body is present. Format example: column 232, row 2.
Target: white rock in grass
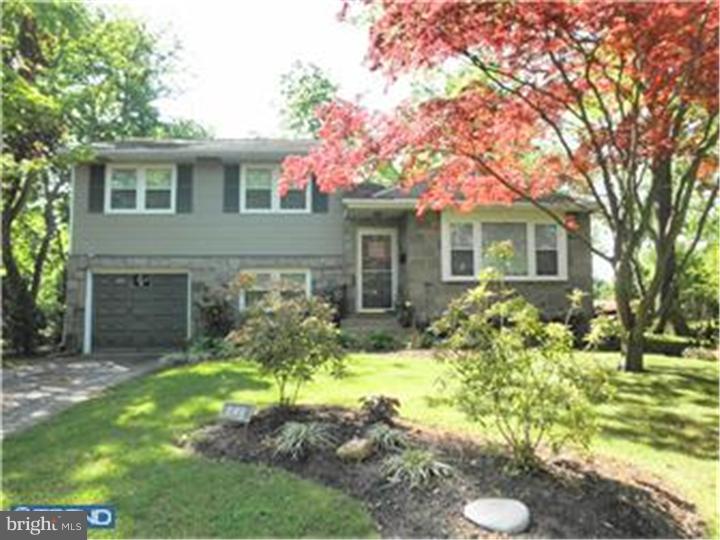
column 501, row 515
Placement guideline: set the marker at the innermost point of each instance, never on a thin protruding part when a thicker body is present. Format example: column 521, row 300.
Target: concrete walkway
column 34, row 390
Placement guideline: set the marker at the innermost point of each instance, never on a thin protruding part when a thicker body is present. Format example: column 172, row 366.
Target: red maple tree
column 615, row 101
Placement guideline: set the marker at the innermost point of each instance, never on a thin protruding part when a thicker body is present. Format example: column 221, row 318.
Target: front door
column 377, row 269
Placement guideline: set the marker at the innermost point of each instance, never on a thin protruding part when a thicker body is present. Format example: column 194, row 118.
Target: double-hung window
column 547, row 255
column 462, row 253
column 539, row 248
column 140, row 189
column 258, row 185
column 123, row 189
column 259, row 192
column 289, row 283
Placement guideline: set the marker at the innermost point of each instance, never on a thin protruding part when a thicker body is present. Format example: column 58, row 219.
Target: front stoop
column 363, row 324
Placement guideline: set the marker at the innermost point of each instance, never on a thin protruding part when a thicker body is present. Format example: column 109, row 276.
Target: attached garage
column 139, row 311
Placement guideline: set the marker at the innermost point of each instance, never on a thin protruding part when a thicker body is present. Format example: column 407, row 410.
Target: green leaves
column 291, row 338
column 303, row 89
column 518, row 373
column 71, row 75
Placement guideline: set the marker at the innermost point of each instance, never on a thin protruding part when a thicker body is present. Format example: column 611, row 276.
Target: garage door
column 139, row 311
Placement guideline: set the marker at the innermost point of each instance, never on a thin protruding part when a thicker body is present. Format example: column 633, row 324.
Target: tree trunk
column 634, row 349
column 678, row 321
column 18, row 305
column 669, row 298
column 632, row 340
column 18, row 311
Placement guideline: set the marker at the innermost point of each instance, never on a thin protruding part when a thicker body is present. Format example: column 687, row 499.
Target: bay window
column 539, row 248
column 131, row 189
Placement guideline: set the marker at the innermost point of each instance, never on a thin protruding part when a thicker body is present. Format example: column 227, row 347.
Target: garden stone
column 355, row 449
column 501, row 515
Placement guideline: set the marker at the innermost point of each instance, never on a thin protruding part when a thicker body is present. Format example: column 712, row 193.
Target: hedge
column 667, row 344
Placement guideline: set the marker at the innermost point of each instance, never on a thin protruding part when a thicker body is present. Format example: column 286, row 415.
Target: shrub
column 706, row 331
column 216, row 312
column 518, row 373
column 202, row 349
column 386, row 438
column 381, row 341
column 207, row 347
column 605, row 335
column 668, row 344
column 414, row 467
column 296, row 439
column 349, row 341
column 379, row 408
column 337, row 298
column 291, row 339
column 405, row 313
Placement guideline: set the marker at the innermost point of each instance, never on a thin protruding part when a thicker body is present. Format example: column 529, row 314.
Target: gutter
column 410, row 204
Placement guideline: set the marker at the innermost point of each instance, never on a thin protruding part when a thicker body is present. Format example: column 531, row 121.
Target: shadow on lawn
column 658, row 408
column 119, row 449
column 140, row 416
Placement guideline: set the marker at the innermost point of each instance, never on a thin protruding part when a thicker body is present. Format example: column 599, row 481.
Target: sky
column 234, row 52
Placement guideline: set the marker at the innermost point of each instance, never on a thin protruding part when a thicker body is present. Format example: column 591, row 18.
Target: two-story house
column 151, row 221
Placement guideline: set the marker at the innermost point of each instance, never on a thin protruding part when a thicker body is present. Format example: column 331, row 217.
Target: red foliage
column 562, row 90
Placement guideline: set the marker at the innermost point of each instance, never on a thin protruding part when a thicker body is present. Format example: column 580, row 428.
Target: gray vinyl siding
column 206, row 230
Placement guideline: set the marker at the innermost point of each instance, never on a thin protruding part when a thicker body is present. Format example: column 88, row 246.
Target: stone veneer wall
column 213, row 271
column 430, row 295
column 419, row 272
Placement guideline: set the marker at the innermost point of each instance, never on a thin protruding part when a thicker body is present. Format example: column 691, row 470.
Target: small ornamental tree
column 615, row 101
column 518, row 374
column 291, row 338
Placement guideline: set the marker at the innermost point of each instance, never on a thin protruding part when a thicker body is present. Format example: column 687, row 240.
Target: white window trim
column 275, row 198
column 530, row 221
column 275, row 274
column 140, row 188
column 369, row 231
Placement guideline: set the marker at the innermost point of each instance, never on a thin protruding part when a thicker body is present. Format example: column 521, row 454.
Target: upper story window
column 140, row 189
column 259, row 192
column 539, row 248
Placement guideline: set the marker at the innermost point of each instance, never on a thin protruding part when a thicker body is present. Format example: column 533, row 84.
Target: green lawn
column 118, row 448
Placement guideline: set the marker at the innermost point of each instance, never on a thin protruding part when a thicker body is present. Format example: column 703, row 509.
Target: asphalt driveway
column 34, row 390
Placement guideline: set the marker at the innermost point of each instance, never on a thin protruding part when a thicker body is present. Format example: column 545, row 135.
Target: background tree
column 693, row 290
column 70, row 75
column 614, row 101
column 303, row 88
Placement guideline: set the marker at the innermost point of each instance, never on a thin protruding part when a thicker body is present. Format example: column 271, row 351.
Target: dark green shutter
column 184, row 203
column 319, row 200
column 231, row 189
column 96, row 190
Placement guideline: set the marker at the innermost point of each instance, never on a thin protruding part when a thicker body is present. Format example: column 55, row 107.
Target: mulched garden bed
column 570, row 498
